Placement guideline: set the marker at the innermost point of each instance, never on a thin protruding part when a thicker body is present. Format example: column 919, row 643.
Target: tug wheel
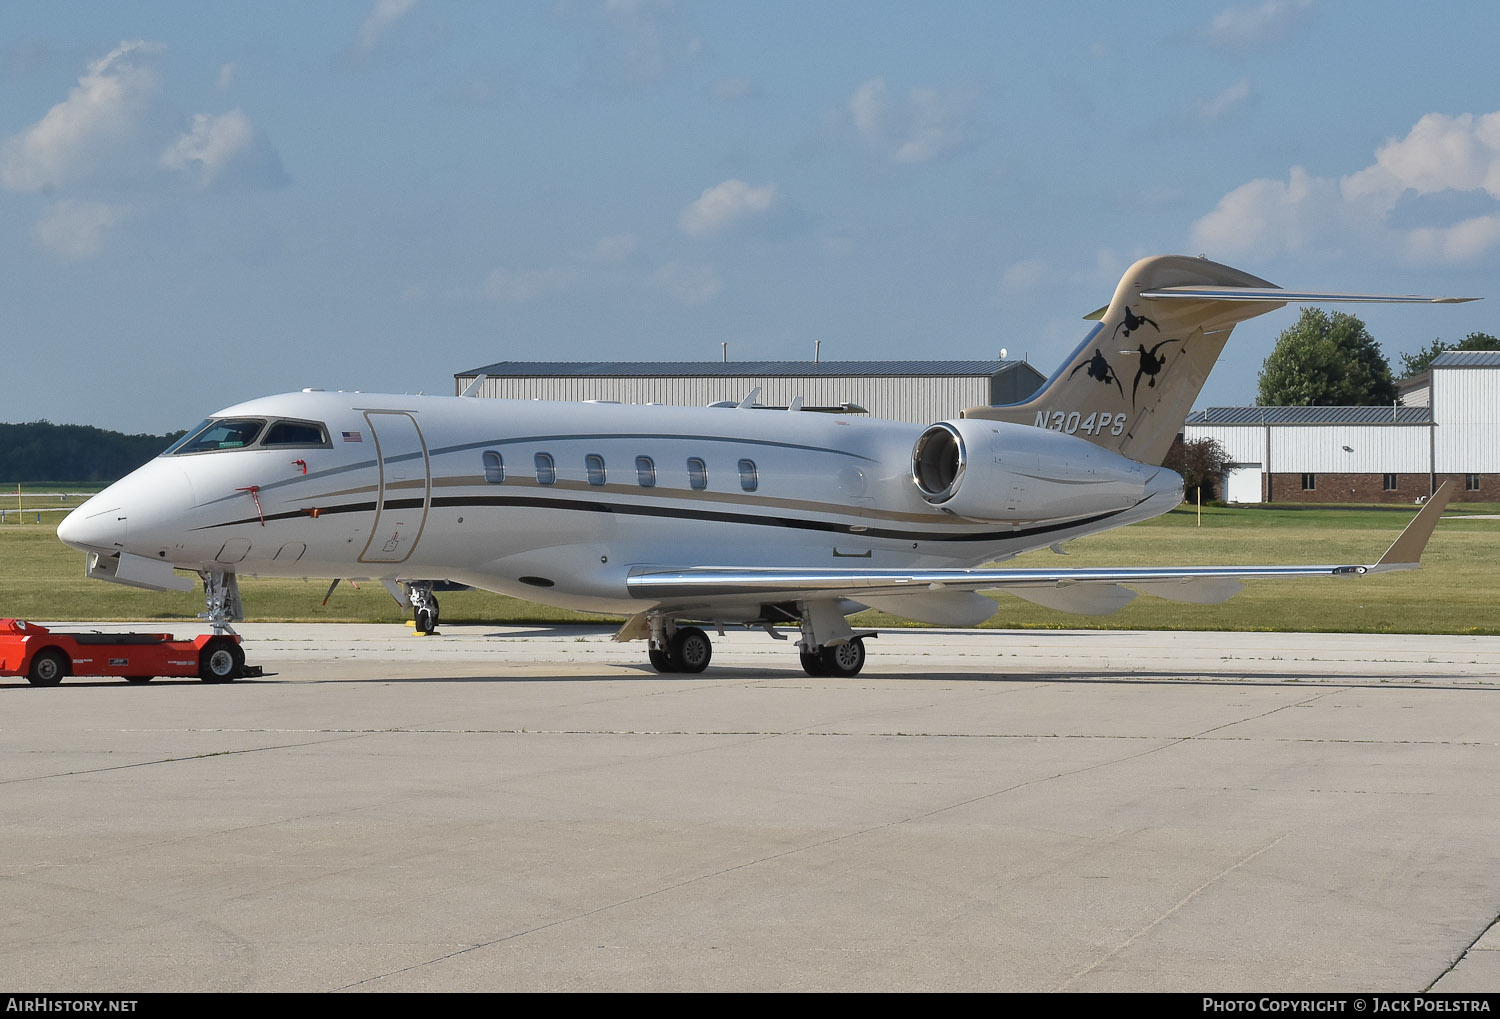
column 48, row 668
column 221, row 661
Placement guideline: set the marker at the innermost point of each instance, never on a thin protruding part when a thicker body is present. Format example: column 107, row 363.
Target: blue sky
column 202, row 203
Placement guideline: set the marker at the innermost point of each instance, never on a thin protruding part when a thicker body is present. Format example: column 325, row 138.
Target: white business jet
column 685, row 517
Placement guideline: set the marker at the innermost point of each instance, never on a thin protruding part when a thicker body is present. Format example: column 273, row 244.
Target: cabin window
column 1388, row 482
column 594, row 464
column 494, row 467
column 749, row 477
column 296, row 433
column 546, row 469
column 697, row 474
column 225, row 433
column 645, row 472
column 1309, row 482
column 1471, row 482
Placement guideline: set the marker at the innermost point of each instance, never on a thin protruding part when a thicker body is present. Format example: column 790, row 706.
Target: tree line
column 40, row 451
column 1331, row 360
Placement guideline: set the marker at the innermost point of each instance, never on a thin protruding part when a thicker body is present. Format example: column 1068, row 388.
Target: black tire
column 48, row 668
column 435, row 614
column 844, row 659
column 220, row 661
column 660, row 660
column 426, row 622
column 812, row 663
column 691, row 650
column 139, row 679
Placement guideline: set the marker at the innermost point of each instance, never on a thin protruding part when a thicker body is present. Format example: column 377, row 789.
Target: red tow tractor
column 45, row 657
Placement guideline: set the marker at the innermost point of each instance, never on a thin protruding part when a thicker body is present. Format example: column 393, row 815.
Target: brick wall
column 1371, row 488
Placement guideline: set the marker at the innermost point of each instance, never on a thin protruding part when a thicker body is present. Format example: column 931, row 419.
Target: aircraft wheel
column 812, row 663
column 139, row 679
column 691, row 650
column 48, row 668
column 660, row 660
column 426, row 621
column 844, row 659
column 220, row 661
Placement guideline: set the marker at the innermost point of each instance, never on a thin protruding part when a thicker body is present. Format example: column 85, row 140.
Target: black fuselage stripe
column 685, row 513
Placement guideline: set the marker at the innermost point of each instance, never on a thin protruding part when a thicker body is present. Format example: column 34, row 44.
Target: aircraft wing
column 1088, row 591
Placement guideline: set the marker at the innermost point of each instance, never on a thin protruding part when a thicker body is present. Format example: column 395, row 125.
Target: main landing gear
column 678, row 648
column 828, row 646
column 839, row 660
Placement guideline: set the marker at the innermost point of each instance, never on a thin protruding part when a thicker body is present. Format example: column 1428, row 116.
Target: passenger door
column 404, row 487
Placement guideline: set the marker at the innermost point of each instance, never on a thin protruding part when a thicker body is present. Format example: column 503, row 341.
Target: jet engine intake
column 997, row 470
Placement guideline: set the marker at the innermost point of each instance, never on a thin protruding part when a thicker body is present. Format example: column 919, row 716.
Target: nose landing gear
column 424, row 606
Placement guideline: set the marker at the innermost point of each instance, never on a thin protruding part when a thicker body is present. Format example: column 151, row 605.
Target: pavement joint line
column 1189, row 897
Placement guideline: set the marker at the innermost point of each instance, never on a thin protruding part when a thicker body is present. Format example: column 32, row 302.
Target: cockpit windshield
column 217, row 434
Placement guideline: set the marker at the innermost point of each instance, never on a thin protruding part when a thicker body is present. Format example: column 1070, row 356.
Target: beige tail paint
column 1131, row 383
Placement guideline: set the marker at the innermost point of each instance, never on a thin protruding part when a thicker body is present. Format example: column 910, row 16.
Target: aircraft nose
column 125, row 511
column 101, row 524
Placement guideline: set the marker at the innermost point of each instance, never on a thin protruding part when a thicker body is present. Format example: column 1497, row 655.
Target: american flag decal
column 352, row 437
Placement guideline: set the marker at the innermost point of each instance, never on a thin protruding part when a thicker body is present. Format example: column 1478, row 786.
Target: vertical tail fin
column 1134, row 378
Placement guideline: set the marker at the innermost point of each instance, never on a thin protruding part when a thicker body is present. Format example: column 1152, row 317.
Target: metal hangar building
column 917, row 391
column 1447, row 428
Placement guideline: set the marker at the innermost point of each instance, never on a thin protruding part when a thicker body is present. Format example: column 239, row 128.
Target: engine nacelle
column 996, row 470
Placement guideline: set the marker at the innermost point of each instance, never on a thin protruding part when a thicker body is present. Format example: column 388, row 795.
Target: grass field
column 1454, row 592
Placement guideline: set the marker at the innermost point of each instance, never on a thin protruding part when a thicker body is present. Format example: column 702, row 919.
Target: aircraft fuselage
column 557, row 502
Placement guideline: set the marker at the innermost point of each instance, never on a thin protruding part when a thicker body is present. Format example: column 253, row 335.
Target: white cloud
column 382, row 16
column 724, row 205
column 921, row 129
column 1208, row 112
column 226, row 76
column 1442, row 156
column 76, row 230
column 224, row 150
column 114, row 131
column 691, row 285
column 91, row 132
column 1244, row 27
column 1440, row 153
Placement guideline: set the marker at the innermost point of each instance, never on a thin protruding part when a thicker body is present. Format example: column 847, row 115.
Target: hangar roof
column 744, row 369
column 1467, row 359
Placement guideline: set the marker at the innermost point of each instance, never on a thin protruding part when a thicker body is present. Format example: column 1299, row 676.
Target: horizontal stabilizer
column 1280, row 296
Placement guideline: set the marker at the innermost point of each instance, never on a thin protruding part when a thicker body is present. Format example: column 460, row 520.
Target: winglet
column 1405, row 552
